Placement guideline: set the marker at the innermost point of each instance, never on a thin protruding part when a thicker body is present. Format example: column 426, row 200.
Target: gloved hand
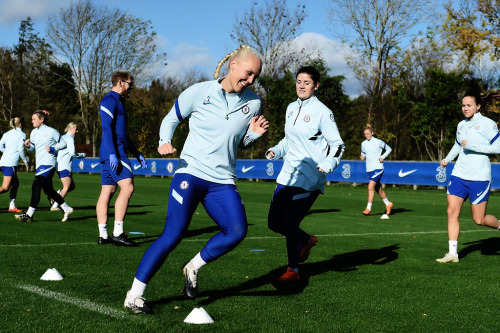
column 143, row 162
column 81, row 155
column 113, row 162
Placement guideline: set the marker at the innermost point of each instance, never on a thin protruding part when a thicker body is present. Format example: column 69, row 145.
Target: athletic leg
column 224, row 205
column 184, row 195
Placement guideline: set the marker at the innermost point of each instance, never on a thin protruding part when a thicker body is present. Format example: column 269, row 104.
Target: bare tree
column 375, row 31
column 7, row 74
column 97, row 41
column 269, row 27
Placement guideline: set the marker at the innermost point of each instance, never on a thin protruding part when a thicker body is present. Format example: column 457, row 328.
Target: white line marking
column 76, row 301
column 38, row 245
column 273, row 237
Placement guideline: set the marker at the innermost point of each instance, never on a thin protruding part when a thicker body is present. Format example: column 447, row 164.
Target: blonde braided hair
column 243, row 50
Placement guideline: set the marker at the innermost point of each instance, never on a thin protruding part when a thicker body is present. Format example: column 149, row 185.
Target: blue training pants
column 222, row 203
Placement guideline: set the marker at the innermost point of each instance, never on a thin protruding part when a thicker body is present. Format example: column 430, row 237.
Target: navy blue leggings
column 288, row 208
column 222, row 203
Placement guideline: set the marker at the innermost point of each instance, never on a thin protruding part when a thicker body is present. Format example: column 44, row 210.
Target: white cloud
column 333, row 53
column 185, row 58
column 13, row 11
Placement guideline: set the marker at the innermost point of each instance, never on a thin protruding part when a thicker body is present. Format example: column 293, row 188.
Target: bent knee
column 479, row 220
column 236, row 235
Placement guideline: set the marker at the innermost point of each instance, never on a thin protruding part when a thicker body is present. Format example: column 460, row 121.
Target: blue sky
column 193, row 33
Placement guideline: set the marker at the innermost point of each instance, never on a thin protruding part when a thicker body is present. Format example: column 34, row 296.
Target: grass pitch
column 365, row 274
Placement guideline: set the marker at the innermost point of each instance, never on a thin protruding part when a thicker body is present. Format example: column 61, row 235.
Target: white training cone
column 198, row 316
column 384, row 217
column 52, row 275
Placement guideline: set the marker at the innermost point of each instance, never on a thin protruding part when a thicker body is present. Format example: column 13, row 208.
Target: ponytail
column 240, row 52
column 15, row 122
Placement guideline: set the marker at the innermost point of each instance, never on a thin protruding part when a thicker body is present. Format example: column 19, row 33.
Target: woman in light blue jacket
column 46, row 142
column 311, row 148
column 12, row 147
column 64, row 163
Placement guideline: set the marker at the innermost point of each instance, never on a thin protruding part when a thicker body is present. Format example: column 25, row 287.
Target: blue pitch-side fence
column 403, row 173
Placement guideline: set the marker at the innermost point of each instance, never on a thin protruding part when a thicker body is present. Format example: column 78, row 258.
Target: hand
column 381, row 160
column 362, row 157
column 82, row 155
column 27, row 166
column 143, row 162
column 270, row 155
column 166, row 149
column 464, row 143
column 324, row 167
column 444, row 163
column 49, row 149
column 113, row 162
column 259, row 125
column 27, row 143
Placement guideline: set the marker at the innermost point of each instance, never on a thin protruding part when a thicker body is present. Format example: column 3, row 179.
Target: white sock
column 386, row 201
column 138, row 287
column 103, row 231
column 55, row 205
column 30, row 211
column 369, row 206
column 65, row 207
column 12, row 204
column 452, row 245
column 498, row 226
column 118, row 230
column 198, row 262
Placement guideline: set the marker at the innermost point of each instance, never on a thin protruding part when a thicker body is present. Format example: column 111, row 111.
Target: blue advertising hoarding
column 397, row 172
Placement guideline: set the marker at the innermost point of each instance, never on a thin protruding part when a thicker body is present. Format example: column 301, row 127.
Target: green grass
column 365, row 275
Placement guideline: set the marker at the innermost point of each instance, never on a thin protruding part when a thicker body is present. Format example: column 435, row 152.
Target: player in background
column 12, row 148
column 116, row 166
column 371, row 151
column 476, row 137
column 64, row 163
column 223, row 115
column 311, row 148
column 46, row 142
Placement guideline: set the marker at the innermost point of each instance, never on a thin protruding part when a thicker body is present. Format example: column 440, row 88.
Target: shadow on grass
column 346, row 262
column 319, row 211
column 187, row 234
column 394, row 211
column 487, row 247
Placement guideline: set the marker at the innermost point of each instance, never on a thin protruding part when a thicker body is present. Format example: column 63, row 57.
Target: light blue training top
column 65, row 156
column 45, row 136
column 473, row 162
column 12, row 147
column 311, row 139
column 218, row 125
column 372, row 151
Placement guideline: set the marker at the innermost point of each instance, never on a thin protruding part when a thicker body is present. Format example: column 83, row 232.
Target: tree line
column 412, row 80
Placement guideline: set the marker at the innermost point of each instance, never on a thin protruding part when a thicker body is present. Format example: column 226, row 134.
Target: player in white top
column 223, row 115
column 65, row 162
column 311, row 148
column 12, row 148
column 371, row 151
column 477, row 136
column 46, row 142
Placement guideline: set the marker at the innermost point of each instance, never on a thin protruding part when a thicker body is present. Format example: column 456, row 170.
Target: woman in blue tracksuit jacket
column 12, row 148
column 312, row 147
column 46, row 142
